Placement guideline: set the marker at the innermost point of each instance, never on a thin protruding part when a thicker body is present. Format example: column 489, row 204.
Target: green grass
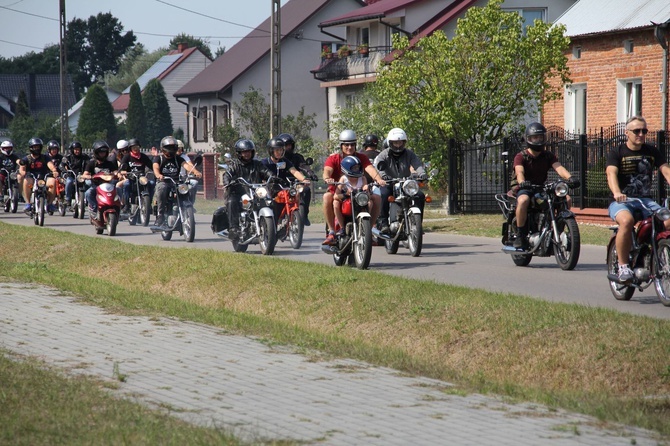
column 612, row 365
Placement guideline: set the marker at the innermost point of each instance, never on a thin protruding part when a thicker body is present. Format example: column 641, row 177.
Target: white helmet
column 180, row 144
column 122, row 144
column 396, row 134
column 7, row 146
column 347, row 136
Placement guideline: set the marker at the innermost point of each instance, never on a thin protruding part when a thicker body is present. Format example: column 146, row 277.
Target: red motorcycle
column 109, row 204
column 649, row 258
column 289, row 219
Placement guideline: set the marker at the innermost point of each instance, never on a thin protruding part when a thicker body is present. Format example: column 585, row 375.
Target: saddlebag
column 220, row 219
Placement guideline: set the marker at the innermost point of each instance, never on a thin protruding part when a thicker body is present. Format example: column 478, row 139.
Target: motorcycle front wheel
column 145, row 210
column 363, row 244
column 39, row 212
column 268, row 235
column 188, row 225
column 662, row 273
column 567, row 250
column 62, row 207
column 619, row 291
column 112, row 222
column 81, row 206
column 415, row 234
column 296, row 229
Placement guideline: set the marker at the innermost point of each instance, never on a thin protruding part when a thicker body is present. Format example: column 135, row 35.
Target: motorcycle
column 109, row 204
column 180, row 216
column 59, row 202
column 38, row 199
column 289, row 222
column 649, row 257
column 405, row 219
column 354, row 246
column 140, row 198
column 11, row 187
column 257, row 221
column 79, row 205
column 552, row 227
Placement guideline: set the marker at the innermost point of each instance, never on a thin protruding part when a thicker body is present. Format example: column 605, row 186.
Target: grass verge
column 596, row 361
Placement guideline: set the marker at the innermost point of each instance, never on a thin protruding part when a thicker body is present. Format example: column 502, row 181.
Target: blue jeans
column 634, row 207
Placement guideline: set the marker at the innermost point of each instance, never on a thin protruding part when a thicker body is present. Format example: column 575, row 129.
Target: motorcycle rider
column 76, row 161
column 99, row 163
column 134, row 161
column 276, row 150
column 371, row 146
column 400, row 163
column 253, row 171
column 39, row 165
column 531, row 166
column 352, row 177
column 630, row 169
column 332, row 171
column 299, row 163
column 168, row 164
column 8, row 160
column 53, row 150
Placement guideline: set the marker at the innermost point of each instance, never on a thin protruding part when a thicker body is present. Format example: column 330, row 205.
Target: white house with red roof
column 174, row 70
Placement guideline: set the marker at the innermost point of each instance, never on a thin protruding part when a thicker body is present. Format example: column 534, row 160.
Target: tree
column 133, row 64
column 192, row 42
column 95, row 47
column 492, row 74
column 44, row 62
column 136, row 122
column 301, row 127
column 22, row 126
column 227, row 135
column 157, row 112
column 97, row 118
column 253, row 116
column 219, row 51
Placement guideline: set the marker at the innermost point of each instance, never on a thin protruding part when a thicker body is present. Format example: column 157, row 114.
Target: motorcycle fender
column 663, row 235
column 361, row 215
column 266, row 212
column 414, row 210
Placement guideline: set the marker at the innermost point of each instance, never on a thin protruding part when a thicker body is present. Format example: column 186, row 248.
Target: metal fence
column 479, row 171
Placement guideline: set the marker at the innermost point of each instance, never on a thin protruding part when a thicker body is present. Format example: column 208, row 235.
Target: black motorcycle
column 140, row 198
column 552, row 228
column 11, row 188
column 180, row 216
column 39, row 199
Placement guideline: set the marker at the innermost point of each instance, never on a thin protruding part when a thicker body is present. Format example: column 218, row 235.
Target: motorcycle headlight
column 362, row 199
column 13, row 175
column 293, row 191
column 144, row 181
column 410, row 187
column 561, row 189
column 41, row 183
column 663, row 214
column 182, row 188
column 262, row 192
column 299, row 188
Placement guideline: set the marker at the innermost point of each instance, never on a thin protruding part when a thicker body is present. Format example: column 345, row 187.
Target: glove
column 422, row 177
column 385, row 176
column 313, row 177
column 524, row 184
column 574, row 182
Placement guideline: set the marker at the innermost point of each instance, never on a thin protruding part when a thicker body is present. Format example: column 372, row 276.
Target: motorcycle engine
column 534, row 239
column 394, row 227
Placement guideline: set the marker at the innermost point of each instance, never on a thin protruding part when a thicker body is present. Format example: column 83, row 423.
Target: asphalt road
column 475, row 262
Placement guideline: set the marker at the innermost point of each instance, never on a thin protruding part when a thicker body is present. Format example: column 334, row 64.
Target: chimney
column 181, row 47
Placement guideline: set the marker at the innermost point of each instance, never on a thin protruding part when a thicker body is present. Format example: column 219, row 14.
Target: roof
column 374, row 11
column 46, row 95
column 588, row 17
column 249, row 50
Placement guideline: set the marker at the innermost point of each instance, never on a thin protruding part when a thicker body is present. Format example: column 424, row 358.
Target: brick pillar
column 209, row 175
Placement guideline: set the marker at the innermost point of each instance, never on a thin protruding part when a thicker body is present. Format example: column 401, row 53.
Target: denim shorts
column 632, row 207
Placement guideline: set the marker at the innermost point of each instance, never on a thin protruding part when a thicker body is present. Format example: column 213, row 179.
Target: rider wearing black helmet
column 38, row 165
column 301, row 164
column 76, row 161
column 134, row 161
column 531, row 166
column 245, row 166
column 53, row 150
column 371, row 149
column 99, row 163
column 168, row 164
column 280, row 166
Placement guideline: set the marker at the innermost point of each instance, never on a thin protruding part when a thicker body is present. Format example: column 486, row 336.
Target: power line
column 21, row 44
column 28, row 13
column 209, row 16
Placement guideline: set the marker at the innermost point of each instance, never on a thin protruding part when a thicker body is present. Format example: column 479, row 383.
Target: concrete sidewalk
column 256, row 391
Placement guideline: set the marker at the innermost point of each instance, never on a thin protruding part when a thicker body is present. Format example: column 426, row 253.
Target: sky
column 30, row 25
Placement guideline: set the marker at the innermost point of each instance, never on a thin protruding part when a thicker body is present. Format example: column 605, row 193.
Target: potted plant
column 343, row 51
column 326, row 52
column 363, row 49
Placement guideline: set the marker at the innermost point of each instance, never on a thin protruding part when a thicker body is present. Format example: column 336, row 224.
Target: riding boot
column 521, row 239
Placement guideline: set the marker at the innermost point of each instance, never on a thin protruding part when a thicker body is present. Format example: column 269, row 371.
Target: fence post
column 583, row 163
column 504, row 159
column 452, row 197
column 662, row 147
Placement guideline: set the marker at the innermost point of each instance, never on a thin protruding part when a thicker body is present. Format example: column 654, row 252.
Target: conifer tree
column 136, row 122
column 157, row 112
column 97, row 118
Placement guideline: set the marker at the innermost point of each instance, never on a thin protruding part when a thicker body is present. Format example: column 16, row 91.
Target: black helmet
column 53, row 145
column 371, row 141
column 276, row 143
column 536, row 136
column 169, row 146
column 37, row 143
column 134, row 142
column 288, row 139
column 244, row 145
column 352, row 166
column 75, row 145
column 100, row 150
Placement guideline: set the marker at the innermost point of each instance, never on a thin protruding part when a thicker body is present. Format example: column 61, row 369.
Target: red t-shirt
column 334, row 160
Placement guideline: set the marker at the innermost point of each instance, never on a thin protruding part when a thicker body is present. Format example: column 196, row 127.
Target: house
column 173, row 70
column 42, row 92
column 211, row 94
column 372, row 28
column 74, row 112
column 618, row 63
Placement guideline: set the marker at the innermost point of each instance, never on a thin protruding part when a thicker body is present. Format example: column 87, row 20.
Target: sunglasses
column 638, row 131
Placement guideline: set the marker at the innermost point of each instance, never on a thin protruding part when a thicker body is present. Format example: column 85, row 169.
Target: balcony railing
column 353, row 66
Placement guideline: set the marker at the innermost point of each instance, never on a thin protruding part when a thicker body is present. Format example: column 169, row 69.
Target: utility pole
column 64, row 126
column 275, row 68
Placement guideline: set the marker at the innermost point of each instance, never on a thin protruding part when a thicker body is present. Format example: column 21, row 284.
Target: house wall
column 603, row 62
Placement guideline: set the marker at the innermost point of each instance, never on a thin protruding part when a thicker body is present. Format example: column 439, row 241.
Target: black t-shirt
column 169, row 167
column 8, row 161
column 281, row 173
column 636, row 169
column 131, row 164
column 37, row 166
column 94, row 166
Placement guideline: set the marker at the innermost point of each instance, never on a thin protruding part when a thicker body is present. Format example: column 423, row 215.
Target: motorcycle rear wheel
column 296, row 229
column 188, row 225
column 268, row 235
column 238, row 247
column 415, row 234
column 391, row 246
column 662, row 273
column 619, row 291
column 112, row 222
column 363, row 244
column 567, row 252
column 62, row 207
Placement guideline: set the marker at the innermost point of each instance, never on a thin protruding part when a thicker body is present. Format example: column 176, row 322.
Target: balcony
column 353, row 66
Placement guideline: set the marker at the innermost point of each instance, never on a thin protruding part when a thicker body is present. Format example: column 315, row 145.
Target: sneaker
column 625, row 273
column 160, row 220
column 51, row 208
column 306, row 221
column 520, row 243
column 28, row 208
column 385, row 228
column 330, row 239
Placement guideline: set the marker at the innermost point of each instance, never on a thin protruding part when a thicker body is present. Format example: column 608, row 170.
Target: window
column 575, row 108
column 529, row 15
column 221, row 118
column 199, row 124
column 628, row 46
column 576, row 52
column 629, row 98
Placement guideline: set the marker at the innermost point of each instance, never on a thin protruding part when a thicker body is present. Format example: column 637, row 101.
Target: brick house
column 618, row 65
